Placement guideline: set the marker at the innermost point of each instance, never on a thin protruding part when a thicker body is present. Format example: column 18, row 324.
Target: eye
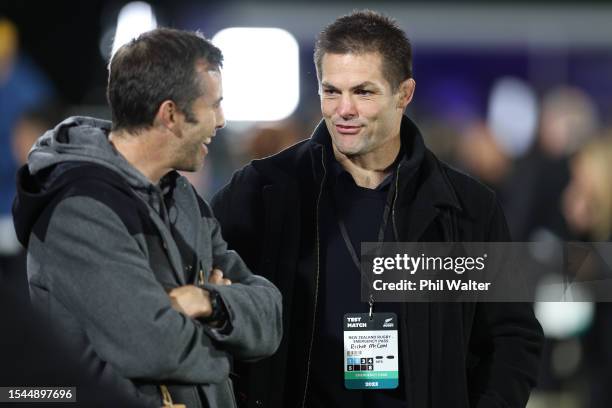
column 328, row 91
column 363, row 92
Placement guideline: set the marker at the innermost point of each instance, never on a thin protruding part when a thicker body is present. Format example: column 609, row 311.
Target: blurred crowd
column 547, row 154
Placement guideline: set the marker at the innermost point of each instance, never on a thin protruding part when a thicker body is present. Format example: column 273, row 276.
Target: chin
column 350, row 144
column 197, row 167
column 350, row 150
column 193, row 167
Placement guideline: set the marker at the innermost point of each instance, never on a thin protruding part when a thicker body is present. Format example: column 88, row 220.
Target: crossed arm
column 193, row 301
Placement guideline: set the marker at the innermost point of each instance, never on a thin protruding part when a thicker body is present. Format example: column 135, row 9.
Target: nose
column 220, row 119
column 346, row 108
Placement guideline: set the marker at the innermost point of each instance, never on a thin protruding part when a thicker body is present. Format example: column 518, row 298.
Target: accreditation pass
column 370, row 351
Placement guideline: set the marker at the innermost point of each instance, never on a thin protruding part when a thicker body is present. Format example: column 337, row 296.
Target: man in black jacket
column 299, row 217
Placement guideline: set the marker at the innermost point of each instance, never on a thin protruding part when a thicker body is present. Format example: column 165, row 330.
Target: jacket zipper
column 317, row 254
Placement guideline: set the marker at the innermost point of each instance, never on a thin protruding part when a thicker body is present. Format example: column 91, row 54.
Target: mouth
column 205, row 144
column 347, row 129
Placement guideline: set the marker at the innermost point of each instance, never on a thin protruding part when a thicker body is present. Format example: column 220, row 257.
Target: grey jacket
column 104, row 246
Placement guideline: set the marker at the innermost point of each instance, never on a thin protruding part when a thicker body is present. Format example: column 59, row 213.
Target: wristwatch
column 219, row 313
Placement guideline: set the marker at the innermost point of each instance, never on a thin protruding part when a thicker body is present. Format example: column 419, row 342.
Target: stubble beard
column 190, row 158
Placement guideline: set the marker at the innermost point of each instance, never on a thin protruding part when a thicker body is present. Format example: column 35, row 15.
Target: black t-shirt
column 340, row 290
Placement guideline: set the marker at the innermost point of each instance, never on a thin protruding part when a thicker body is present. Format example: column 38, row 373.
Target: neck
column 143, row 151
column 369, row 170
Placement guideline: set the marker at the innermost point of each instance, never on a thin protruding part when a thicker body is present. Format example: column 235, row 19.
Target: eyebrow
column 358, row 86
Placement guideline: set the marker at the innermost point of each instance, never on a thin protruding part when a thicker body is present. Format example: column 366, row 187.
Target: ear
column 406, row 91
column 168, row 116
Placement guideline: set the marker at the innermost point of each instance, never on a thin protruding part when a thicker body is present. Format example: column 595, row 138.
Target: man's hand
column 216, row 278
column 191, row 301
column 194, row 301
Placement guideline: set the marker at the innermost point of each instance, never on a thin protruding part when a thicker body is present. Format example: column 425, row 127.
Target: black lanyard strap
column 381, row 233
column 381, row 230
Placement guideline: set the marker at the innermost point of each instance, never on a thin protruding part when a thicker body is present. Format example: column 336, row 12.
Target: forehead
column 210, row 80
column 348, row 70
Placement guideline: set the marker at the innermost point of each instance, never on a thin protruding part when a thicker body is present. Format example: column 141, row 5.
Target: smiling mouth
column 205, row 144
column 347, row 130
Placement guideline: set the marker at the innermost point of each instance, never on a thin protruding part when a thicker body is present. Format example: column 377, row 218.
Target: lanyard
column 381, row 235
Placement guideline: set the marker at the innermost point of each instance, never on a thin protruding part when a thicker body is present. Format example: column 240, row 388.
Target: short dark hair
column 156, row 66
column 368, row 31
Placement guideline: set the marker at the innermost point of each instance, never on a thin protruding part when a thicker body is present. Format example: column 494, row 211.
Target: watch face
column 214, row 302
column 218, row 310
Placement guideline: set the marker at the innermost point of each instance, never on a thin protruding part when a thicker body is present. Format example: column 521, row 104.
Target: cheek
column 328, row 107
column 370, row 110
column 206, row 122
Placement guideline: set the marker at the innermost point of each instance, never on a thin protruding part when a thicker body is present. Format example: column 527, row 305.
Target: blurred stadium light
column 134, row 19
column 261, row 77
column 562, row 320
column 513, row 115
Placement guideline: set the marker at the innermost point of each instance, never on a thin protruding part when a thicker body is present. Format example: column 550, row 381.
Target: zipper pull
column 201, row 279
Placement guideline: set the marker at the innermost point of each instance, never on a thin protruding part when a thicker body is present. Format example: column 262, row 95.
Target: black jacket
column 454, row 354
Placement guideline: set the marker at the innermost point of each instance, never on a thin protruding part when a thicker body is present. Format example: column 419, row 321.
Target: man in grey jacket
column 123, row 256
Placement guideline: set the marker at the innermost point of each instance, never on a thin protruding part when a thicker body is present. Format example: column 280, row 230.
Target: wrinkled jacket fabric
column 454, row 354
column 104, row 246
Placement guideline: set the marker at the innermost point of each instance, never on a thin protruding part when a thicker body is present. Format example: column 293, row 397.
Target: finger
column 216, row 276
column 226, row 282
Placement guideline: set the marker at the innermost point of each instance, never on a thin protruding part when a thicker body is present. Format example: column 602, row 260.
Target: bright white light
column 134, row 19
column 513, row 115
column 260, row 73
column 567, row 318
column 561, row 320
